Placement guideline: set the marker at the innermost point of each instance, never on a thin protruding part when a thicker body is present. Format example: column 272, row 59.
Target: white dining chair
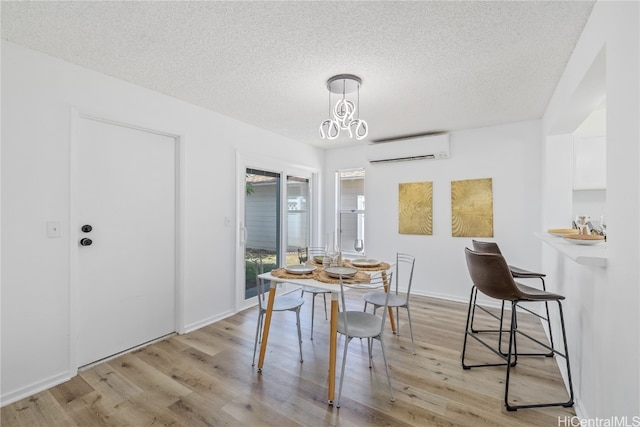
column 289, row 302
column 312, row 252
column 405, row 264
column 359, row 324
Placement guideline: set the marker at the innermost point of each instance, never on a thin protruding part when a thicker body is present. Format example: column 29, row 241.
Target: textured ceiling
column 426, row 66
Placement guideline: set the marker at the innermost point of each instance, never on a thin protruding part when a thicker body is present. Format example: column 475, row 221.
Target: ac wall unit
column 401, row 150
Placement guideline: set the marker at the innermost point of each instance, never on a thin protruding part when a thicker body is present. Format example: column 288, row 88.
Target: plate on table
column 299, row 269
column 318, row 259
column 583, row 239
column 560, row 232
column 365, row 262
column 341, row 271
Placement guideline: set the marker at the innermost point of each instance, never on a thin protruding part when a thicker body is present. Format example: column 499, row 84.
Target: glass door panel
column 262, row 224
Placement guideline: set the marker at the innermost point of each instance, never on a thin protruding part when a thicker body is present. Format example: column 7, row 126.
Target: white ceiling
column 426, row 66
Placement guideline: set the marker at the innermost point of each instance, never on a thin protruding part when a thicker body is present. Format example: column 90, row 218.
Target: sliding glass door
column 275, row 218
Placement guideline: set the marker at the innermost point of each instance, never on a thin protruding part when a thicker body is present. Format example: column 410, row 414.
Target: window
column 350, row 208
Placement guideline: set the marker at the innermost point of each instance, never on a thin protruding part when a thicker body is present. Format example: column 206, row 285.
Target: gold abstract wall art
column 472, row 208
column 415, row 208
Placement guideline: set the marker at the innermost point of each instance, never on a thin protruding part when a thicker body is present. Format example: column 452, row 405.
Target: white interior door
column 126, row 276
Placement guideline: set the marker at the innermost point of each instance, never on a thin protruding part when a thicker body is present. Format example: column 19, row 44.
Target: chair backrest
column 491, row 275
column 377, row 282
column 405, row 264
column 486, row 247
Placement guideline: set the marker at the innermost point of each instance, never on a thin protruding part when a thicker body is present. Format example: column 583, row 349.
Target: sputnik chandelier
column 346, row 113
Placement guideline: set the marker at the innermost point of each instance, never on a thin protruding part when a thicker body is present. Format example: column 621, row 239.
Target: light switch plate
column 54, row 229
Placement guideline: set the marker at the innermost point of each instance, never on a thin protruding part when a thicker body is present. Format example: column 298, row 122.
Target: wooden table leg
column 387, row 288
column 333, row 344
column 267, row 324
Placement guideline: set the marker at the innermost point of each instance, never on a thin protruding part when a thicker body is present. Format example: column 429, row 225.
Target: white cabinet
column 589, row 162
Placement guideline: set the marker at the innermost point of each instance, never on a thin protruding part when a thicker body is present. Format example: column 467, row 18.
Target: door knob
column 86, row 228
column 85, row 242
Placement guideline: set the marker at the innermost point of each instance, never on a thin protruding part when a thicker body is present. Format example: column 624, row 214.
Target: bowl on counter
column 561, row 232
column 583, row 239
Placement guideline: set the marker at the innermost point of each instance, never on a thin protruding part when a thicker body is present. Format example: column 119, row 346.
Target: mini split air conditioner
column 402, row 150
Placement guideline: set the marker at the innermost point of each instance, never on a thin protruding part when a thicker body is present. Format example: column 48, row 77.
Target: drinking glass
column 358, row 245
column 303, row 256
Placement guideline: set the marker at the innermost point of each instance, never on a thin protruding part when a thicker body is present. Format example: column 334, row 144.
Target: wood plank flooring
column 205, row 378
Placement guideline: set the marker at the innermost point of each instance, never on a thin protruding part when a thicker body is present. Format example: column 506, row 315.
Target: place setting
column 304, row 270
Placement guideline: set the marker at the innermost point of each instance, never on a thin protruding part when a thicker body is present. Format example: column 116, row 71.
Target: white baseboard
column 34, row 388
column 208, row 321
column 486, row 302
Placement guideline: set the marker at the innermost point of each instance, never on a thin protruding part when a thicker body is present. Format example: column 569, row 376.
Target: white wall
column 591, row 203
column 38, row 93
column 602, row 303
column 509, row 154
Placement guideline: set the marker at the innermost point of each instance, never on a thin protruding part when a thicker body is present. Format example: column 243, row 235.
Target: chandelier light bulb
column 361, row 130
column 329, row 129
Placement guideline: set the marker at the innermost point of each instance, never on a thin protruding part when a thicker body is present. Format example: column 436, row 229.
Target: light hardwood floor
column 205, row 378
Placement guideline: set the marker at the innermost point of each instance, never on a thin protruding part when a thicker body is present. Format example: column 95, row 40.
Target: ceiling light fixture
column 346, row 113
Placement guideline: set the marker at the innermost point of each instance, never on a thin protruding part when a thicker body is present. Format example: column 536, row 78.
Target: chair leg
column 500, row 319
column 324, row 296
column 255, row 344
column 413, row 344
column 397, row 332
column 474, row 295
column 513, row 350
column 511, row 336
column 546, row 306
column 501, row 330
column 546, row 319
column 569, row 403
column 515, row 337
column 474, row 334
column 313, row 311
column 344, row 362
column 365, row 306
column 467, row 329
column 299, row 332
column 386, row 368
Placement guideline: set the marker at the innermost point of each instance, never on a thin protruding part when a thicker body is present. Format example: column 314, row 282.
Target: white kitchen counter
column 594, row 255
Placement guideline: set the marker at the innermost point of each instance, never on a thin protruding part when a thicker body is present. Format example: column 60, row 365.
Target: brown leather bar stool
column 491, row 275
column 517, row 273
